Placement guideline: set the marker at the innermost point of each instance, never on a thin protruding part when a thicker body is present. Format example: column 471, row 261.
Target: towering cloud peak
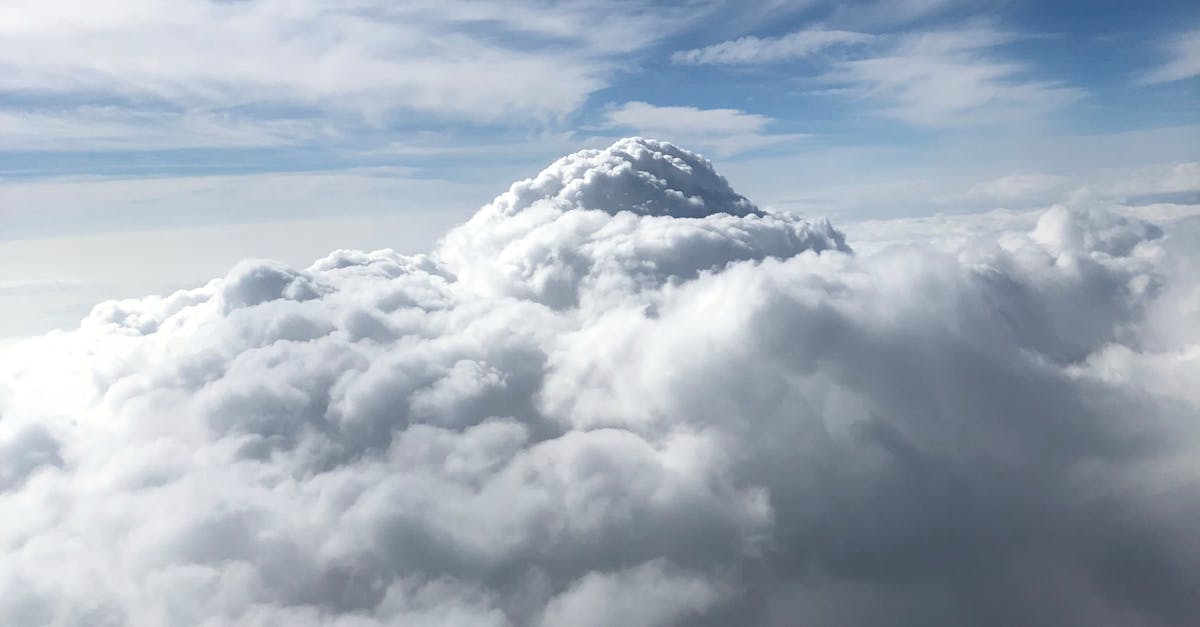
column 635, row 174
column 636, row 214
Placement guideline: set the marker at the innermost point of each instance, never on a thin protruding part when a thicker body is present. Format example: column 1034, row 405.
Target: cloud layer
column 622, row 393
column 717, row 131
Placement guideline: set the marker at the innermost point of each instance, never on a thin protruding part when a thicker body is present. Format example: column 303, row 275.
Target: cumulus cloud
column 623, row 393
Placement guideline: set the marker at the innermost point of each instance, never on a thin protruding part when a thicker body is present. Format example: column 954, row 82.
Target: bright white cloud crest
column 623, row 394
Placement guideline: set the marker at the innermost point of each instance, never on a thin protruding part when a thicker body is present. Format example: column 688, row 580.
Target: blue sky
column 203, row 121
column 449, row 101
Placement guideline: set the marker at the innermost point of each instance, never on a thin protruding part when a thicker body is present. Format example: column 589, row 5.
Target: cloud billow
column 622, row 393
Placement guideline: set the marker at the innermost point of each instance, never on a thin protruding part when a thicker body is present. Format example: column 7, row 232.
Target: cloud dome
column 636, row 214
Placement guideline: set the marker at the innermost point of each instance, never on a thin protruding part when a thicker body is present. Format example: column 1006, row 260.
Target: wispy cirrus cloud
column 111, row 128
column 930, row 78
column 951, row 78
column 1183, row 61
column 720, row 131
column 752, row 49
column 477, row 61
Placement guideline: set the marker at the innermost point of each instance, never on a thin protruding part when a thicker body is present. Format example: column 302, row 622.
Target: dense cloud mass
column 623, row 394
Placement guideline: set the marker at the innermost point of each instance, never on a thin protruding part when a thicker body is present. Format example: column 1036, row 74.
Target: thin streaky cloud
column 645, row 115
column 1183, row 62
column 109, row 128
column 371, row 58
column 720, row 131
column 951, row 78
column 751, row 49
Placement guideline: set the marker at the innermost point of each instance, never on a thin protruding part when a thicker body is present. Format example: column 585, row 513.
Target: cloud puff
column 623, row 393
column 113, row 128
column 368, row 57
column 638, row 214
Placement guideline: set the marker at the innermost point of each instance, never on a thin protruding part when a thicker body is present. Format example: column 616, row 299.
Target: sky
column 152, row 116
column 366, row 314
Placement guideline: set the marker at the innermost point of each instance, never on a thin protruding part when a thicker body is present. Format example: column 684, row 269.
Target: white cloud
column 115, row 128
column 1184, row 61
column 472, row 60
column 623, row 393
column 718, row 121
column 751, row 50
column 950, row 78
column 928, row 78
column 720, row 131
column 61, row 278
